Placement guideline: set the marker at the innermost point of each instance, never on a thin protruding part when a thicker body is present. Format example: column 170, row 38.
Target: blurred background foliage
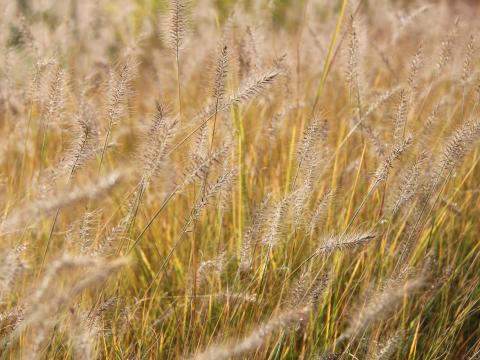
column 284, row 13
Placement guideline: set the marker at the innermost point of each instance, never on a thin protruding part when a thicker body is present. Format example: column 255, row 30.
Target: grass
column 205, row 180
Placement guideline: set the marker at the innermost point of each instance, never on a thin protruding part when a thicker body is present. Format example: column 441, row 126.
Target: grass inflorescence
column 264, row 180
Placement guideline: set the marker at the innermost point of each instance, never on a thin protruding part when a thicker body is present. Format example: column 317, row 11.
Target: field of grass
column 239, row 179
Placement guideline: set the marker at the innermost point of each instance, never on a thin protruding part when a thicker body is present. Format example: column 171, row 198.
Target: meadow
column 239, row 179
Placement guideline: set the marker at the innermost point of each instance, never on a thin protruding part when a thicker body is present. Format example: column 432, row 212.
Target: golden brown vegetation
column 264, row 180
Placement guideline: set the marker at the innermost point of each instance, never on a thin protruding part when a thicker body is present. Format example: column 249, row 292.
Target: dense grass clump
column 251, row 179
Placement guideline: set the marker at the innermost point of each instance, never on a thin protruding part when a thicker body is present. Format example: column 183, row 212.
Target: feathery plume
column 80, row 234
column 248, row 55
column 200, row 149
column 255, row 87
column 388, row 348
column 116, row 236
column 119, row 89
column 40, row 208
column 83, row 335
column 158, row 142
column 308, row 289
column 316, row 132
column 222, row 182
column 446, row 50
column 273, row 126
column 274, row 226
column 200, row 166
column 319, row 212
column 429, row 124
column 467, row 62
column 214, row 266
column 344, row 242
column 406, row 20
column 41, row 68
column 55, row 97
column 400, row 118
column 85, row 145
column 352, row 75
column 221, row 71
column 366, row 128
column 178, row 24
column 176, row 38
column 415, row 66
column 219, row 87
column 10, row 320
column 286, row 320
column 11, row 267
column 380, row 100
column 459, row 145
column 45, row 301
column 409, row 183
column 387, row 164
column 251, row 235
column 381, row 304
